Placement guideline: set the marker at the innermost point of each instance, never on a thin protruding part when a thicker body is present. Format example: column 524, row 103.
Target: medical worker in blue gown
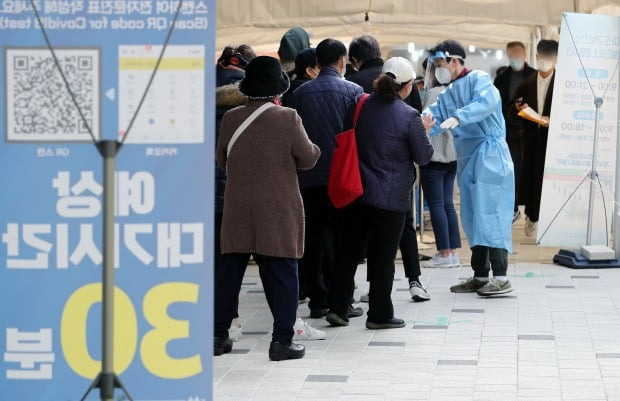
column 471, row 108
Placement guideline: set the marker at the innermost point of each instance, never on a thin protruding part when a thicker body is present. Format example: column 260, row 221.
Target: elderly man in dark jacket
column 322, row 105
column 365, row 56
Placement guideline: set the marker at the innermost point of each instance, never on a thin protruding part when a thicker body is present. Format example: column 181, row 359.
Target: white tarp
column 485, row 23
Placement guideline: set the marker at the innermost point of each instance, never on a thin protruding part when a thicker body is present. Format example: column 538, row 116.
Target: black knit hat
column 264, row 79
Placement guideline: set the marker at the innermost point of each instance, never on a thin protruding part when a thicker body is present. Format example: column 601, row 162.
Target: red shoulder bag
column 345, row 180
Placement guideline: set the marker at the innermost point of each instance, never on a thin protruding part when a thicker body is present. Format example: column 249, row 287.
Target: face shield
column 437, row 72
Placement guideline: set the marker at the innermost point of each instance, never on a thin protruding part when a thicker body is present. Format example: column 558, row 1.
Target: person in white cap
column 390, row 139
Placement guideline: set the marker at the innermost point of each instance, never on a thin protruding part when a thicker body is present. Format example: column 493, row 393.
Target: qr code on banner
column 39, row 107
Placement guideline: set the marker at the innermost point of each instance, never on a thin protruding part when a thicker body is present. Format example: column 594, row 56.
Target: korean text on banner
column 51, row 203
column 571, row 132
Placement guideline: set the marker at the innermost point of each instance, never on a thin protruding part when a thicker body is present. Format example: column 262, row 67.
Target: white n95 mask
column 443, row 75
column 545, row 65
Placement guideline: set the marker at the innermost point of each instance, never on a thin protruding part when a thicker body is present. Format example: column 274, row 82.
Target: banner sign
column 571, row 132
column 51, row 201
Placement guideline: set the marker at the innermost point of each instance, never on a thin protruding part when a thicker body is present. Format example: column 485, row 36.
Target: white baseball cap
column 400, row 68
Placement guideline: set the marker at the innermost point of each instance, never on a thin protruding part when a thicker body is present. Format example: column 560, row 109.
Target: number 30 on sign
column 153, row 352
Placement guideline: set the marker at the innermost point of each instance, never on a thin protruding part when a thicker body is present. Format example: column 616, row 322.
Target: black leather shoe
column 282, row 352
column 221, row 346
column 318, row 313
column 387, row 324
column 336, row 320
column 354, row 312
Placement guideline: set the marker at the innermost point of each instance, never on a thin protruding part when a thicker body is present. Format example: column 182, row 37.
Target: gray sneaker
column 495, row 287
column 418, row 292
column 470, row 285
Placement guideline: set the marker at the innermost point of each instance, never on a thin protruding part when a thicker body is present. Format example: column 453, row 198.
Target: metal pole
column 598, row 102
column 421, row 213
column 537, row 34
column 109, row 150
column 616, row 222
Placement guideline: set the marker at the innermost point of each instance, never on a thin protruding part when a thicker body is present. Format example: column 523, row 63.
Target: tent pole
column 616, row 220
column 537, row 37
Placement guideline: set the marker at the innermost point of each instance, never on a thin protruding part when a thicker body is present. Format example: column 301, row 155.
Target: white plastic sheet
column 485, row 23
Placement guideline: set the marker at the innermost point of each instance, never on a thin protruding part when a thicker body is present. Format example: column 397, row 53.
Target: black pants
column 533, row 172
column 320, row 243
column 484, row 258
column 217, row 233
column 409, row 249
column 218, row 258
column 515, row 145
column 378, row 232
column 279, row 277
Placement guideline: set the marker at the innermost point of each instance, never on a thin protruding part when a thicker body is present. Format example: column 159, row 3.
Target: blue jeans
column 438, row 185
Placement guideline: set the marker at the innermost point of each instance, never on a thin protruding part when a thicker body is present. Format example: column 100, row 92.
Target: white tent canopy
column 485, row 23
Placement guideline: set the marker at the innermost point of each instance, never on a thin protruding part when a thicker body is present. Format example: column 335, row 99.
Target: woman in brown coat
column 263, row 210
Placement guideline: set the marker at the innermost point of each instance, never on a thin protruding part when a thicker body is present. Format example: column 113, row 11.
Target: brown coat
column 263, row 210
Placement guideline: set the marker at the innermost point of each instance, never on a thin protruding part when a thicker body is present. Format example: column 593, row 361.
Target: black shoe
column 354, row 312
column 282, row 352
column 221, row 346
column 318, row 313
column 388, row 324
column 337, row 320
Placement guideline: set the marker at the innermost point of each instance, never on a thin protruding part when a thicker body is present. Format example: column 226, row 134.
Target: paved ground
column 557, row 337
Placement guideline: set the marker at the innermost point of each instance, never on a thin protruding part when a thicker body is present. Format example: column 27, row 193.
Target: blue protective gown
column 485, row 172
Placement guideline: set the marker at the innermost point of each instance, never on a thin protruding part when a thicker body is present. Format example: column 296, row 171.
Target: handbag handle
column 246, row 124
column 358, row 108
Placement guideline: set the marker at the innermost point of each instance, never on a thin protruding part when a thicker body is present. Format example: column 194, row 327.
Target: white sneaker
column 365, row 298
column 234, row 332
column 516, row 216
column 456, row 260
column 303, row 331
column 530, row 227
column 418, row 292
column 439, row 261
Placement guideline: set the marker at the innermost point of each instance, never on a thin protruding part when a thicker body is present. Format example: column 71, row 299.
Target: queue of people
column 276, row 128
